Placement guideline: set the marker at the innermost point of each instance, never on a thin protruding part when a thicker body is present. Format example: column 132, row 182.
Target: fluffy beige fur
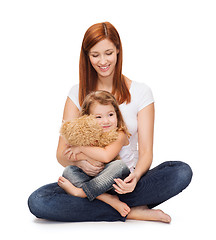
column 85, row 131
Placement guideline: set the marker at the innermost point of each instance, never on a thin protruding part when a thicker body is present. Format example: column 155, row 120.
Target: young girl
column 104, row 107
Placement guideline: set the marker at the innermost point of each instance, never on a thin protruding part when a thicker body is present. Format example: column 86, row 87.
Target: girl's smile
column 105, row 115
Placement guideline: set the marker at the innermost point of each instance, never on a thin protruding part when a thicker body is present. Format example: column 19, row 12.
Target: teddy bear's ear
column 64, row 128
column 108, row 137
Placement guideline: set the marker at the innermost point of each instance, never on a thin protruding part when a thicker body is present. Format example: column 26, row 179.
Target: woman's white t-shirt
column 141, row 96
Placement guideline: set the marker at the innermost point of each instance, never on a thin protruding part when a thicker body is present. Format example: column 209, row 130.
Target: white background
column 169, row 45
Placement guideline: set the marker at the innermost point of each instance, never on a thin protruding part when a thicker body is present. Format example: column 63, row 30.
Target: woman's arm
column 105, row 154
column 85, row 163
column 145, row 142
column 70, row 112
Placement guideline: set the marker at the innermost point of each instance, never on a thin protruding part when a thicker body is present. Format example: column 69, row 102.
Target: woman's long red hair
column 88, row 75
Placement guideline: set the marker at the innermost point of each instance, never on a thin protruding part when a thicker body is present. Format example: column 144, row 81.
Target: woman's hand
column 88, row 168
column 126, row 186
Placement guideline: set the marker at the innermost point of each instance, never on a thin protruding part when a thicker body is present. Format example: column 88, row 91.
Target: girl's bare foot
column 121, row 207
column 146, row 214
column 114, row 201
column 70, row 188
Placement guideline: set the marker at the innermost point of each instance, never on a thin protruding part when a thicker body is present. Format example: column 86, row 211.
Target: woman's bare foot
column 114, row 201
column 70, row 188
column 146, row 214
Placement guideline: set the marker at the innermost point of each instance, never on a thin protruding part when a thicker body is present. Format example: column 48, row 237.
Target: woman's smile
column 103, row 57
column 104, row 68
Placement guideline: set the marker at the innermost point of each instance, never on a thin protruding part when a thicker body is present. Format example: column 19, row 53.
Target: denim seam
column 87, row 192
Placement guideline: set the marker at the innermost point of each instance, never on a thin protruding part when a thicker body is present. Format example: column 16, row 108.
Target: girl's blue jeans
column 156, row 186
column 95, row 186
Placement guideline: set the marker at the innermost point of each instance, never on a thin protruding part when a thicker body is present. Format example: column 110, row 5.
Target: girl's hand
column 71, row 153
column 126, row 186
column 89, row 166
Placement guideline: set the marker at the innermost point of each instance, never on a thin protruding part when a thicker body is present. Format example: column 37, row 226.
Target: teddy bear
column 85, row 131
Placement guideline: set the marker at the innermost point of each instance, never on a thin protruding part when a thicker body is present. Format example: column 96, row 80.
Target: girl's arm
column 145, row 143
column 106, row 154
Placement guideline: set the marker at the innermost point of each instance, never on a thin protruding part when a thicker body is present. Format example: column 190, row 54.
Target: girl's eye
column 98, row 116
column 95, row 56
column 109, row 53
column 111, row 114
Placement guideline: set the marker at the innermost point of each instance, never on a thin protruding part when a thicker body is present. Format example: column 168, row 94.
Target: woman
column 143, row 189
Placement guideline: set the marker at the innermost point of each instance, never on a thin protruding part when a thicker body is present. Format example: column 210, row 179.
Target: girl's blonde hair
column 104, row 98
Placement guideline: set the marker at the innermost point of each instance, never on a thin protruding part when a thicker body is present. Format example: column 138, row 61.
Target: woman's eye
column 95, row 56
column 109, row 53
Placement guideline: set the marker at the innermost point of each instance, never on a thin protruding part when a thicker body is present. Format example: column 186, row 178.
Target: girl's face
column 105, row 115
column 103, row 57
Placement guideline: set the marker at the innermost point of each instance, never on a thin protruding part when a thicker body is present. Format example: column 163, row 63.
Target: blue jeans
column 156, row 186
column 95, row 186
